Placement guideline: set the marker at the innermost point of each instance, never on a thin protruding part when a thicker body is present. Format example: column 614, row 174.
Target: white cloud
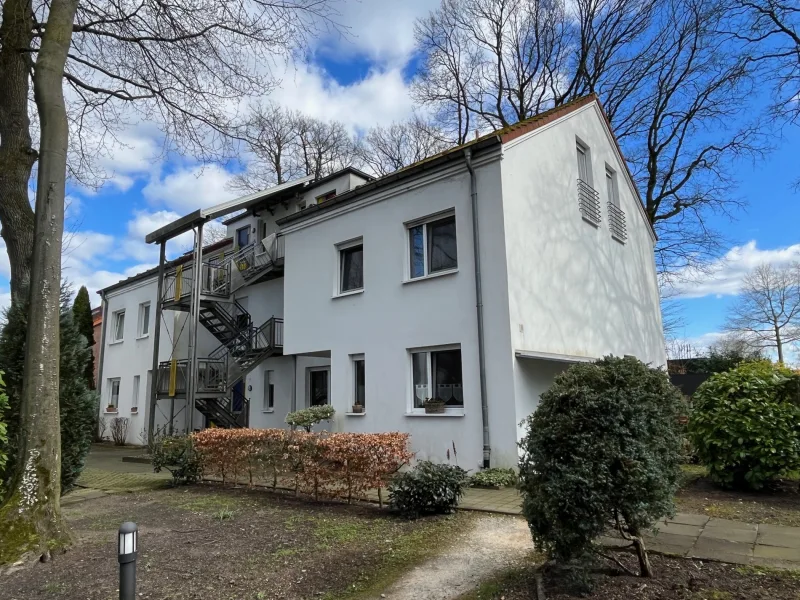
column 188, row 189
column 724, row 276
column 379, row 99
column 383, row 31
column 144, row 222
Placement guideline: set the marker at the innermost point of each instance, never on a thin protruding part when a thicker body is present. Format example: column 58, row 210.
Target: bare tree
column 387, row 149
column 773, row 29
column 767, row 312
column 184, row 66
column 674, row 87
column 285, row 145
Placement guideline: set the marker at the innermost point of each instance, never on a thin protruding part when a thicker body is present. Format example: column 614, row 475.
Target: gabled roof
column 499, row 137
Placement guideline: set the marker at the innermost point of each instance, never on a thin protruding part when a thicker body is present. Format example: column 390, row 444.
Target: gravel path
column 494, row 544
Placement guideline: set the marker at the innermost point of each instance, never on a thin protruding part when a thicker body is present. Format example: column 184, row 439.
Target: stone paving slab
column 689, row 519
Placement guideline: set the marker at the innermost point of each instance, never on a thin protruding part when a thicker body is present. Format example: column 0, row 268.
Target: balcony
column 173, row 375
column 589, row 203
column 616, row 223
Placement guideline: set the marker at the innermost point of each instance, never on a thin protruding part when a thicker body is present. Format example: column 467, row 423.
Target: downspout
column 476, row 248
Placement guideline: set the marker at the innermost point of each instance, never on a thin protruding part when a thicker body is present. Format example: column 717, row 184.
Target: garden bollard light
column 128, row 545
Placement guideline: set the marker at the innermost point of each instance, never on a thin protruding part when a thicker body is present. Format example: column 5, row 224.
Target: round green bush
column 745, row 425
column 428, row 488
column 603, row 447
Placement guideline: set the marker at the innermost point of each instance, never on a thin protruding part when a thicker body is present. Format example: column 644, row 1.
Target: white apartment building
column 472, row 277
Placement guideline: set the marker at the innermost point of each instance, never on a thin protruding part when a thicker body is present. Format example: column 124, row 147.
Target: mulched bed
column 779, row 505
column 213, row 543
column 676, row 579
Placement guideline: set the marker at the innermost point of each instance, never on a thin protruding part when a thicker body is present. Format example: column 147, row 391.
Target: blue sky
column 361, row 79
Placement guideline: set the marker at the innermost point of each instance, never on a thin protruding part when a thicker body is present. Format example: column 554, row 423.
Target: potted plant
column 111, row 408
column 434, row 406
column 357, row 408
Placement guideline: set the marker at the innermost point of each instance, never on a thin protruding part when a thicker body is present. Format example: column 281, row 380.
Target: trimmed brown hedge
column 323, row 464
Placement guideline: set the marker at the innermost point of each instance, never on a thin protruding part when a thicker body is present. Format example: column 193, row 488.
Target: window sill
column 449, row 413
column 431, row 276
column 134, row 411
column 348, row 293
column 268, row 410
column 352, row 414
column 110, row 412
column 143, row 337
column 115, row 342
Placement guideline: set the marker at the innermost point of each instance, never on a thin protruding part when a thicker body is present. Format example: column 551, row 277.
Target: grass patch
column 495, row 588
column 758, row 571
column 405, row 552
column 690, row 474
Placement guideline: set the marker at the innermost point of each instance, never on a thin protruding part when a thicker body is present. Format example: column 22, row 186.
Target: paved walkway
column 688, row 535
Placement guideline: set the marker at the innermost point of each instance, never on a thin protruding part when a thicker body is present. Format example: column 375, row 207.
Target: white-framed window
column 113, row 393
column 118, row 323
column 243, row 236
column 584, row 163
column 269, row 391
column 143, row 327
column 318, row 386
column 351, row 266
column 616, row 216
column 432, row 245
column 359, row 381
column 436, row 374
column 135, row 396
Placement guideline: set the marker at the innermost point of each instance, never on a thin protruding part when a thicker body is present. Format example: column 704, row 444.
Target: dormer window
column 325, row 197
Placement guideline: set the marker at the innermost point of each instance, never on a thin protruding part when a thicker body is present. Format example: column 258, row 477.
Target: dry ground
column 220, row 544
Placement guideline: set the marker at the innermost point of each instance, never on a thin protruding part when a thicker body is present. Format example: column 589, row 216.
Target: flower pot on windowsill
column 433, row 407
column 357, row 408
column 111, row 409
column 134, row 411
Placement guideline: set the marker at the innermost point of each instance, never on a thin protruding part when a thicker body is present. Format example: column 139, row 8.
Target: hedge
column 322, row 464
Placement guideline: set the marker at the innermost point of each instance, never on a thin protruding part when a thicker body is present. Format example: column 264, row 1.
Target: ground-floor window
column 437, row 375
column 269, row 391
column 359, row 381
column 113, row 393
column 318, row 388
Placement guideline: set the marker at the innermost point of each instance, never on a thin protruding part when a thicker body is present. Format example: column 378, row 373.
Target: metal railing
column 616, row 222
column 216, row 281
column 211, row 376
column 589, row 202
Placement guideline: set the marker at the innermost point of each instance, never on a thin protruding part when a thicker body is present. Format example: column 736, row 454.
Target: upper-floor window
column 144, row 319
column 243, row 236
column 325, row 197
column 351, row 266
column 118, row 326
column 584, row 164
column 588, row 198
column 616, row 216
column 432, row 246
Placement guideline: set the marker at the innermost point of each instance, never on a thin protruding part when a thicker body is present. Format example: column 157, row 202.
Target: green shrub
column 604, row 444
column 177, row 455
column 428, row 488
column 745, row 425
column 308, row 417
column 494, row 477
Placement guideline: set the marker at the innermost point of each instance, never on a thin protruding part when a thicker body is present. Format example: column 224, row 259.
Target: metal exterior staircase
column 242, row 345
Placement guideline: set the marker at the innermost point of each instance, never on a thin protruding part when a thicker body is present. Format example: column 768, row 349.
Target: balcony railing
column 616, row 222
column 216, row 281
column 589, row 202
column 173, row 375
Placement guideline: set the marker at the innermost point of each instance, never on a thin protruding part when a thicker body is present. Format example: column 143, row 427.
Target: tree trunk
column 779, row 343
column 645, row 570
column 17, row 155
column 30, row 521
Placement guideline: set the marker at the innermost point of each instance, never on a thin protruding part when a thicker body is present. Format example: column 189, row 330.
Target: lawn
column 676, row 579
column 777, row 506
column 213, row 543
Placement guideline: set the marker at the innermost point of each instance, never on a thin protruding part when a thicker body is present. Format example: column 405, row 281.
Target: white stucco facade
column 556, row 289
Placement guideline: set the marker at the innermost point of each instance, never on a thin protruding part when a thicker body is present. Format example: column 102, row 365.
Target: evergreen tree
column 82, row 315
column 78, row 404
